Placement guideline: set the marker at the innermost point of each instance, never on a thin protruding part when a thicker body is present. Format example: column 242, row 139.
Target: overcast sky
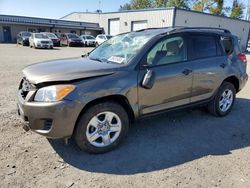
column 59, row 8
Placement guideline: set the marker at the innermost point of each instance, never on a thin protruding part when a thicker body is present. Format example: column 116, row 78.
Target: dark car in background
column 54, row 38
column 71, row 39
column 23, row 38
column 59, row 36
column 133, row 75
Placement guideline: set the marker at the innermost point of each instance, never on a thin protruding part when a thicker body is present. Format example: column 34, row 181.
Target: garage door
column 138, row 25
column 114, row 26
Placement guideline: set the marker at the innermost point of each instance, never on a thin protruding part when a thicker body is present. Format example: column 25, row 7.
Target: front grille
column 45, row 42
column 47, row 125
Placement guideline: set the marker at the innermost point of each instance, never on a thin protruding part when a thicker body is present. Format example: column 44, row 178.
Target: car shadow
column 167, row 140
column 55, row 48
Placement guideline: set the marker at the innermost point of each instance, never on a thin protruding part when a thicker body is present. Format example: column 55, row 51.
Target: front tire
column 223, row 101
column 101, row 128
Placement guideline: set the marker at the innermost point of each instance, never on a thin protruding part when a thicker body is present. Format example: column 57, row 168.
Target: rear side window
column 203, row 47
column 227, row 45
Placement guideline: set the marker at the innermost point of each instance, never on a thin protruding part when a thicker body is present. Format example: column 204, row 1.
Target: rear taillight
column 242, row 57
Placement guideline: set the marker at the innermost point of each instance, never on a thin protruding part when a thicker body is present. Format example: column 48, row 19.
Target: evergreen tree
column 237, row 10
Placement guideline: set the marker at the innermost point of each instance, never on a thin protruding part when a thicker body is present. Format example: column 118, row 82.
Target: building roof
column 23, row 20
column 155, row 9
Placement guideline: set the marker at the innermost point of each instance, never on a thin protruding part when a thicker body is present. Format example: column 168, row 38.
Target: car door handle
column 186, row 71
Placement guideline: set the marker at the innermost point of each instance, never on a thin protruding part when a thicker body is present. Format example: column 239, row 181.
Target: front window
column 41, row 36
column 102, row 37
column 26, row 34
column 121, row 48
column 51, row 35
column 90, row 37
column 170, row 50
column 73, row 36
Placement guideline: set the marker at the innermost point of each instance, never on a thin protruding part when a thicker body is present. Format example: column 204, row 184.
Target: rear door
column 209, row 65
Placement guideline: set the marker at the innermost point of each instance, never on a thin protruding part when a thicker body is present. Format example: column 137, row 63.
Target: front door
column 172, row 84
column 6, row 34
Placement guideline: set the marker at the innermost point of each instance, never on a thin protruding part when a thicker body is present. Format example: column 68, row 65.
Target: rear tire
column 93, row 132
column 223, row 101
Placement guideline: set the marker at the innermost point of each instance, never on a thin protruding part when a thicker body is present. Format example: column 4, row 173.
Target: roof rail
column 179, row 28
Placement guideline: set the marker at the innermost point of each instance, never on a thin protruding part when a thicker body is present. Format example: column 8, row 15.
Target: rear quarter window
column 202, row 47
column 227, row 44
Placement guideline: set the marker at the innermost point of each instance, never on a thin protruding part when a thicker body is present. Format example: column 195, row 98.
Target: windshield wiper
column 97, row 59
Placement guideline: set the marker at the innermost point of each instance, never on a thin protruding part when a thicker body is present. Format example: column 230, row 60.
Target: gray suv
column 95, row 98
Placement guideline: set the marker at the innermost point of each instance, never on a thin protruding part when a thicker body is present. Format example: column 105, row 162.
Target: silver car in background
column 88, row 40
column 40, row 40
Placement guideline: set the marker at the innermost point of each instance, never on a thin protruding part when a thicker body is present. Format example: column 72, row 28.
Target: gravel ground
column 182, row 149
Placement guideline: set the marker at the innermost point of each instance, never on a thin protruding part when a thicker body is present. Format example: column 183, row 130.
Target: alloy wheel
column 103, row 129
column 226, row 100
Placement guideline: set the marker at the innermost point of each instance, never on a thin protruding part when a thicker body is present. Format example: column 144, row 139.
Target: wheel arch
column 120, row 99
column 233, row 80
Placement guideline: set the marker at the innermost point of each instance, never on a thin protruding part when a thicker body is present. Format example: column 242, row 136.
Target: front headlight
column 53, row 93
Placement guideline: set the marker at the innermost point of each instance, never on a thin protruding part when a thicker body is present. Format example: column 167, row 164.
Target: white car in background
column 101, row 38
column 40, row 40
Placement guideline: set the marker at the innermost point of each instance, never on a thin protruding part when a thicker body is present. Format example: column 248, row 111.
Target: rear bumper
column 243, row 81
column 76, row 44
column 50, row 119
column 56, row 43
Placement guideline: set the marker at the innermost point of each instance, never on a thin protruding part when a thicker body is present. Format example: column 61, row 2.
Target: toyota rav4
column 95, row 98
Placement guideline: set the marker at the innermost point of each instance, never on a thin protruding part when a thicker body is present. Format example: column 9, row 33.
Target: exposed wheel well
column 234, row 80
column 113, row 98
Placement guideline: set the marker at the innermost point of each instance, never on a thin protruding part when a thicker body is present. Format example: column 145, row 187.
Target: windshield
column 41, row 36
column 51, row 35
column 73, row 36
column 26, row 34
column 121, row 48
column 90, row 37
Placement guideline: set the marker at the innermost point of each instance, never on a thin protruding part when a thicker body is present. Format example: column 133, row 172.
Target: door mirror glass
column 148, row 79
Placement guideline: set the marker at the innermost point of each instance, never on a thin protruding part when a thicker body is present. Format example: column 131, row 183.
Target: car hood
column 67, row 70
column 37, row 39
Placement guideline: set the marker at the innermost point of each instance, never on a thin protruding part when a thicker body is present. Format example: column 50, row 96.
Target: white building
column 126, row 21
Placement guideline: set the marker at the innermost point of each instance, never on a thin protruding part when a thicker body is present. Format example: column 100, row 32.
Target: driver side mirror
column 148, row 79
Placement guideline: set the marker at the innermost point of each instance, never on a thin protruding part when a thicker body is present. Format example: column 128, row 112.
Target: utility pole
column 248, row 11
column 99, row 6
